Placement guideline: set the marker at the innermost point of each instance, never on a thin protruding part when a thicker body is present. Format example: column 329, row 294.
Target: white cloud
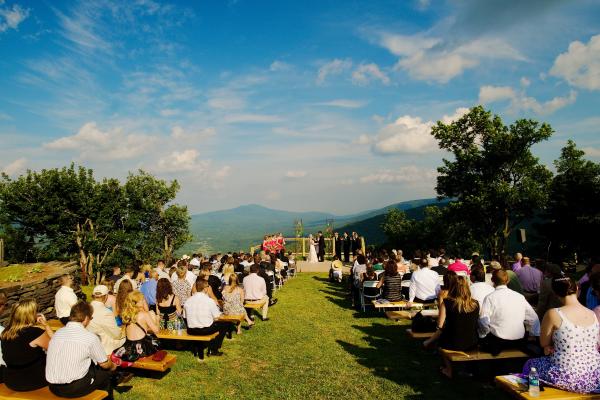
column 525, row 82
column 342, row 103
column 223, row 172
column 251, row 118
column 519, row 101
column 92, row 142
column 406, row 174
column 169, row 112
column 410, row 135
column 295, row 174
column 433, row 59
column 11, row 18
column 226, row 99
column 183, row 161
column 179, row 133
column 363, row 140
column 16, row 167
column 333, row 67
column 367, row 72
column 592, row 152
column 279, row 66
column 580, row 64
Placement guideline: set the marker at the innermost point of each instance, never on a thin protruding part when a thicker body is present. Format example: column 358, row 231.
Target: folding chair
column 363, row 296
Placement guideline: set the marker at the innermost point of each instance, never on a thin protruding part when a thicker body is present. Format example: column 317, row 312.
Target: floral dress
column 233, row 303
column 182, row 289
column 575, row 364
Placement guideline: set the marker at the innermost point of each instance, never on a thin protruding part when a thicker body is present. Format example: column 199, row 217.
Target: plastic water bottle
column 178, row 327
column 534, row 383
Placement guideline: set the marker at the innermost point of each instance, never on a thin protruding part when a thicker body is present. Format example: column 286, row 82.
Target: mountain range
column 241, row 227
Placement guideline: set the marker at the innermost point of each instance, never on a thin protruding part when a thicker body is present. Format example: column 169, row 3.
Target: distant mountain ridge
column 240, row 227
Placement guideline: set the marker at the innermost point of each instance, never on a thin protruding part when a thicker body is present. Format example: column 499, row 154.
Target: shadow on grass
column 392, row 355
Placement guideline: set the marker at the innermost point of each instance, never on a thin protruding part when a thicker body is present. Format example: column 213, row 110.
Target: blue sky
column 315, row 105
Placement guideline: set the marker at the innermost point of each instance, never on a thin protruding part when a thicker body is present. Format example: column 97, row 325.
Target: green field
column 313, row 347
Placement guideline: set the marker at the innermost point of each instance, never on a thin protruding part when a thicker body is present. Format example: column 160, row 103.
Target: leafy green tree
column 66, row 213
column 399, row 229
column 494, row 178
column 574, row 206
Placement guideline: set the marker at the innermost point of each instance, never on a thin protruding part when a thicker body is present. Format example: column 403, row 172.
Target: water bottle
column 178, row 327
column 534, row 383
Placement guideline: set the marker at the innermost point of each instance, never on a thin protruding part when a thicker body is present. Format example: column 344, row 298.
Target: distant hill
column 240, row 227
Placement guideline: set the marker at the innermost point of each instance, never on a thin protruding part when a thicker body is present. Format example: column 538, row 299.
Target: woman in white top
column 312, row 253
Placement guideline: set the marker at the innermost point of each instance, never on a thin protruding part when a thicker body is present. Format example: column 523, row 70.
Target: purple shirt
column 516, row 266
column 530, row 278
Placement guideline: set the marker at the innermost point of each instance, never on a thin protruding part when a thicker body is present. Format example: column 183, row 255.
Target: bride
column 312, row 254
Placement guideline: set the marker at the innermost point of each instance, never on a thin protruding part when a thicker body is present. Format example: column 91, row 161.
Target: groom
column 321, row 253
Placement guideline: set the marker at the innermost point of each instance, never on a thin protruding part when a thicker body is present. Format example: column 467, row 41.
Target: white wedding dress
column 312, row 253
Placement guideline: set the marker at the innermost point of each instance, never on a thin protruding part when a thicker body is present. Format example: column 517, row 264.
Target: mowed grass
column 313, row 347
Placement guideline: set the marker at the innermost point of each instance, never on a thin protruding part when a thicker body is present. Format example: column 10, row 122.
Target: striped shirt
column 70, row 352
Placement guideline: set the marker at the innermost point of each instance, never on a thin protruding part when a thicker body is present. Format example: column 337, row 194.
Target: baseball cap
column 100, row 290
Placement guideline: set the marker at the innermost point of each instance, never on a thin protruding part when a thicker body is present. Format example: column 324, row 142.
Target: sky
column 313, row 105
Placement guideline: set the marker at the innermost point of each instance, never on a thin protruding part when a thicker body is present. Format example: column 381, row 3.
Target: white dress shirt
column 255, row 287
column 161, row 273
column 70, row 352
column 190, row 277
column 424, row 285
column 64, row 299
column 134, row 284
column 105, row 326
column 357, row 272
column 505, row 313
column 200, row 311
column 1, row 359
column 479, row 290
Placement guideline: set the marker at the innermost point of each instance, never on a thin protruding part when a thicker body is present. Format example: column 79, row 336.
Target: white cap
column 100, row 290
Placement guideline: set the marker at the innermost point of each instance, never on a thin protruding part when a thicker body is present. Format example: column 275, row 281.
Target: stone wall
column 41, row 289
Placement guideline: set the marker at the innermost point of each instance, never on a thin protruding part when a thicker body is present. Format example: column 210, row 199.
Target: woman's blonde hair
column 131, row 309
column 233, row 282
column 125, row 287
column 22, row 315
column 461, row 294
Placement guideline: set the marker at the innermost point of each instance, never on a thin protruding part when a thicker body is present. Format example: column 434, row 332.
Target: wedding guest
column 77, row 363
column 569, row 336
column 188, row 275
column 148, row 289
column 479, row 288
column 111, row 299
column 138, row 323
column 3, row 301
column 168, row 306
column 255, row 288
column 347, row 247
column 125, row 288
column 64, row 299
column 531, row 279
column 391, row 281
column 424, row 285
column 161, row 269
column 233, row 296
column 201, row 313
column 457, row 321
column 213, row 282
column 513, row 279
column 103, row 321
column 504, row 316
column 116, row 274
column 595, row 285
column 181, row 286
column 517, row 264
column 336, row 270
column 459, row 267
column 127, row 276
column 23, row 343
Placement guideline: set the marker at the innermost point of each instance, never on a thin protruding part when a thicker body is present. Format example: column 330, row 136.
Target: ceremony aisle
column 313, row 347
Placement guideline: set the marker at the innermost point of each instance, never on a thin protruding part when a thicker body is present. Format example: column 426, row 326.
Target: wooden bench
column 476, row 355
column 236, row 320
column 254, row 306
column 409, row 314
column 517, row 387
column 55, row 324
column 147, row 363
column 44, row 394
column 397, row 304
column 172, row 335
column 419, row 335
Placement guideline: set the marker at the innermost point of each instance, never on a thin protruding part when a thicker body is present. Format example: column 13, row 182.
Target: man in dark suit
column 356, row 244
column 347, row 245
column 337, row 245
column 321, row 254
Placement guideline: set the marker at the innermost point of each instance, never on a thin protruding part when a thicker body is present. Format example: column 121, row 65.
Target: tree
column 574, row 206
column 399, row 229
column 494, row 179
column 66, row 213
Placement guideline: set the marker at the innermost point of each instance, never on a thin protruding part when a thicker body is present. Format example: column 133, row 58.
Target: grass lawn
column 313, row 347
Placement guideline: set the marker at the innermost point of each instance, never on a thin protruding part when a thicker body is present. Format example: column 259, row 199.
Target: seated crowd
column 126, row 312
column 500, row 309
